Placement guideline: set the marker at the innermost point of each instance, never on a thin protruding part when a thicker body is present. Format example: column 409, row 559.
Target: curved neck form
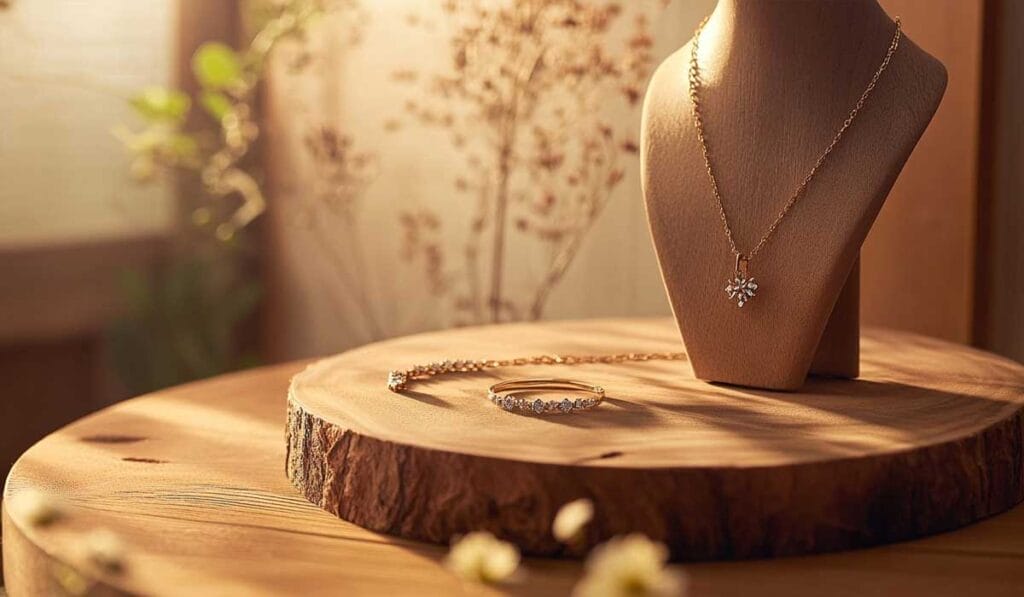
column 836, row 15
column 787, row 36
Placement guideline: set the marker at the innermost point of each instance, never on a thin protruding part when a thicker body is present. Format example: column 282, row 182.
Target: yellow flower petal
column 630, row 566
column 480, row 557
column 105, row 549
column 571, row 519
column 37, row 508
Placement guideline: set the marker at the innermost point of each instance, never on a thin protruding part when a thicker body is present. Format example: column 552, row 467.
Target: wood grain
column 217, row 516
column 927, row 440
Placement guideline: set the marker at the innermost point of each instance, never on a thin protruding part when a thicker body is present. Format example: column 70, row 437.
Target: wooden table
column 192, row 478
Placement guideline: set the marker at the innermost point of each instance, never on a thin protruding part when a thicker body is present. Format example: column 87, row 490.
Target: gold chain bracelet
column 401, row 379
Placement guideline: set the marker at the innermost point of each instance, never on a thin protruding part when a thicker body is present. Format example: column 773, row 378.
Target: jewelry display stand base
column 928, row 439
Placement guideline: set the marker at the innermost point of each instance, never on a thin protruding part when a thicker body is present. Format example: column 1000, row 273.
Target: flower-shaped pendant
column 741, row 289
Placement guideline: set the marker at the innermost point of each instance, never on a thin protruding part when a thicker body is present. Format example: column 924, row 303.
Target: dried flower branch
column 228, row 81
column 524, row 103
column 198, row 303
column 328, row 203
column 341, row 175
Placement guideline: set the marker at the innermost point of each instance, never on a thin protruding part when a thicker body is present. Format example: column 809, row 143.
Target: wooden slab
column 191, row 479
column 928, row 439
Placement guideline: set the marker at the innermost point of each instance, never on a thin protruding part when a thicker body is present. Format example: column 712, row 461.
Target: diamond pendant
column 742, row 287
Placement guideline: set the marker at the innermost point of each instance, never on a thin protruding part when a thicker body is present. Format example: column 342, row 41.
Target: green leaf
column 161, row 104
column 240, row 302
column 137, row 289
column 217, row 66
column 182, row 146
column 216, row 104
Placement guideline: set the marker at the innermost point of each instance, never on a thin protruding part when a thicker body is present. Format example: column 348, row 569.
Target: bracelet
column 512, row 400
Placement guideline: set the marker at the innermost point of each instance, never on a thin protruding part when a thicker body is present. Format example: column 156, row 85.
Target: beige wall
column 66, row 67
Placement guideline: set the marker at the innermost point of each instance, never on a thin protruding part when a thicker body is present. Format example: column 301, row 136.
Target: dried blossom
column 37, row 508
column 341, row 170
column 105, row 549
column 342, row 173
column 523, row 102
column 571, row 519
column 630, row 566
column 70, row 581
column 422, row 240
column 480, row 557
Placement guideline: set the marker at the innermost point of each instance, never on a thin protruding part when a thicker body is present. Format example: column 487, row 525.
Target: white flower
column 630, row 566
column 36, row 507
column 104, row 549
column 571, row 519
column 480, row 557
column 70, row 580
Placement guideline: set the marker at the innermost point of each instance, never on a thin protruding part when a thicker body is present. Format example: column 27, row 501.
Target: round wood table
column 192, row 479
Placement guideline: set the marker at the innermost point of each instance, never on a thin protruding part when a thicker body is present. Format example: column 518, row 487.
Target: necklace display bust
column 779, row 77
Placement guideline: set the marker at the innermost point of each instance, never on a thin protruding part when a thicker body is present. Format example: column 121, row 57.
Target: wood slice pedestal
column 928, row 439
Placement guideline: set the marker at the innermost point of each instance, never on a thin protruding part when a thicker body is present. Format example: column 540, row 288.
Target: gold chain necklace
column 742, row 287
column 399, row 380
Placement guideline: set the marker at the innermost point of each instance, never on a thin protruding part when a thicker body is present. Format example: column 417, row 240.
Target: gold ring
column 507, row 395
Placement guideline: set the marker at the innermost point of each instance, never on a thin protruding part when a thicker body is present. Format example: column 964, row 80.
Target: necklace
column 743, row 287
column 400, row 379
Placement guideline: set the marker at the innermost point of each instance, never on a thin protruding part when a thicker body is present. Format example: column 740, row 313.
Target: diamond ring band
column 508, row 395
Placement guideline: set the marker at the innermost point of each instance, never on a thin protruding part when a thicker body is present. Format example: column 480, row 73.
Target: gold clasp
column 742, row 265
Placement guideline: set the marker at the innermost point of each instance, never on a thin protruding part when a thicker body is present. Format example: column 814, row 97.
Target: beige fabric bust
column 779, row 78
